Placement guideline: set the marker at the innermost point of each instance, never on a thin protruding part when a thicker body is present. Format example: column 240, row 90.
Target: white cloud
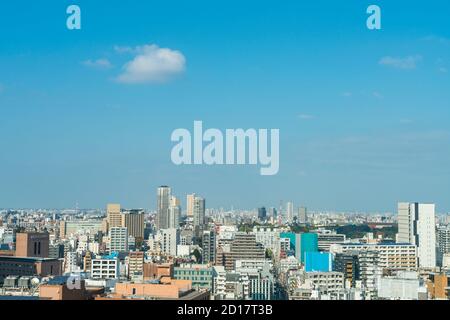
column 305, row 117
column 346, row 94
column 151, row 64
column 406, row 63
column 98, row 64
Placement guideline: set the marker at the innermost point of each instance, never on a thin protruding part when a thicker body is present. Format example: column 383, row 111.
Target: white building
column 392, row 256
column 326, row 281
column 70, row 262
column 169, row 239
column 289, row 263
column 416, row 225
column 118, row 239
column 254, row 264
column 404, row 286
column 183, row 250
column 106, row 268
column 268, row 237
column 261, row 281
column 327, row 237
column 225, row 235
column 370, row 273
column 230, row 285
column 82, row 245
column 285, row 244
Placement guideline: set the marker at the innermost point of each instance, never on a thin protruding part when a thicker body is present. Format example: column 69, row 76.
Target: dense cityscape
column 186, row 251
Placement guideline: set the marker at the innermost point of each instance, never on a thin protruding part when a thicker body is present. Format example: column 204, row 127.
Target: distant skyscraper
column 273, row 212
column 262, row 214
column 302, row 215
column 416, row 225
column 133, row 220
column 190, row 205
column 163, row 202
column 113, row 215
column 199, row 212
column 174, row 201
column 174, row 216
column 174, row 213
column 290, row 211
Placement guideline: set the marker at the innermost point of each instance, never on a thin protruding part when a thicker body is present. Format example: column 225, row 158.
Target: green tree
column 197, row 255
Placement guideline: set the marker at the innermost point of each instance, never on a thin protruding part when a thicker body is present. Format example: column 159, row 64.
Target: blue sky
column 363, row 115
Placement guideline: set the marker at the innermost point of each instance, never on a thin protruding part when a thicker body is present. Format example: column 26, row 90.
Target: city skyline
column 362, row 113
column 133, row 255
column 167, row 197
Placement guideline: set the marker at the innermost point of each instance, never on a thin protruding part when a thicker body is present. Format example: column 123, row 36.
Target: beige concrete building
column 165, row 289
column 136, row 264
column 190, row 205
column 113, row 214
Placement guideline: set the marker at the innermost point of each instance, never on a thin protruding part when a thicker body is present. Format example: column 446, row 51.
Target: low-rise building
column 107, row 267
column 392, row 256
column 403, row 286
column 201, row 275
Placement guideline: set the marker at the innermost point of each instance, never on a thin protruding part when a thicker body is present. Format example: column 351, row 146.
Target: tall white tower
column 416, row 225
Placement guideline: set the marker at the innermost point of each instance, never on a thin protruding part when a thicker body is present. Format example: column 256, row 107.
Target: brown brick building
column 32, row 244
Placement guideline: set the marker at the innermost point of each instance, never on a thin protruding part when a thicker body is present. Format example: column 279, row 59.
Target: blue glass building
column 300, row 243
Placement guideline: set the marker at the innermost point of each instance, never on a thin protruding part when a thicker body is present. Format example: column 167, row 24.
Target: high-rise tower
column 163, row 203
column 416, row 225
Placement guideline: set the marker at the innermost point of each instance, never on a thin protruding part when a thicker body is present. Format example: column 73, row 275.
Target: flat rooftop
column 26, row 259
